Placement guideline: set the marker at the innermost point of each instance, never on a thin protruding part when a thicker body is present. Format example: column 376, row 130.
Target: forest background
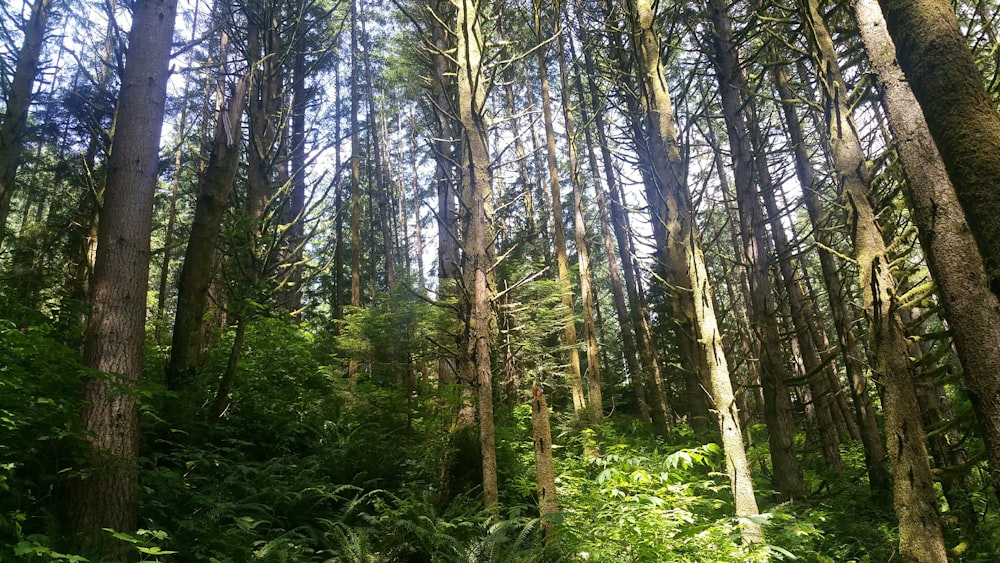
column 499, row 280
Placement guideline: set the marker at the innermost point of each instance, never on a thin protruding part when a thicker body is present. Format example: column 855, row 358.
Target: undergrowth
column 305, row 466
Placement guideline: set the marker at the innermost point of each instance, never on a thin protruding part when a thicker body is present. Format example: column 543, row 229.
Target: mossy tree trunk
column 684, row 251
column 972, row 311
column 476, row 221
column 920, row 537
column 871, row 439
column 763, row 310
column 938, row 64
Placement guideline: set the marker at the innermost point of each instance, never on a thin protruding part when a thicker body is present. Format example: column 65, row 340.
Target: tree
column 920, row 537
column 960, row 115
column 548, row 503
column 215, row 185
column 965, row 155
column 575, row 374
column 113, row 346
column 477, row 231
column 582, row 250
column 683, row 248
column 763, row 311
column 871, row 439
column 18, row 100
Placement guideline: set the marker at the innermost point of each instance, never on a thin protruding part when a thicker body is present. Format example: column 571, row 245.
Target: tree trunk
column 920, row 536
column 548, row 503
column 445, row 155
column 934, row 55
column 787, row 477
column 595, row 402
column 15, row 117
column 629, row 351
column 685, row 248
column 875, row 455
column 477, row 231
column 802, row 322
column 972, row 311
column 107, row 498
column 198, row 269
column 356, row 251
column 575, row 374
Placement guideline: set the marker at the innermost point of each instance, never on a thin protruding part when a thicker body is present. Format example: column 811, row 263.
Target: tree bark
column 113, row 345
column 972, row 311
column 920, row 537
column 575, row 374
column 548, row 503
column 15, row 117
column 356, row 250
column 477, row 230
column 960, row 115
column 594, row 400
column 685, row 248
column 198, row 269
column 871, row 439
column 629, row 350
column 787, row 477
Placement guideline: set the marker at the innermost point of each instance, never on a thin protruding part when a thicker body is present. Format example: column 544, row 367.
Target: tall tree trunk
column 754, row 396
column 871, row 439
column 594, row 400
column 684, row 246
column 15, row 117
column 787, row 477
column 629, row 350
column 477, row 230
column 681, row 315
column 113, row 345
column 973, row 313
column 294, row 209
column 920, row 536
column 442, row 88
column 575, row 374
column 379, row 179
column 199, row 268
column 418, row 233
column 356, row 251
column 961, row 117
column 802, row 322
column 338, row 207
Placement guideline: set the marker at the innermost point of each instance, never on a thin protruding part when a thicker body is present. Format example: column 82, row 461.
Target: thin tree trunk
column 445, row 154
column 418, row 234
column 875, row 455
column 15, row 117
column 787, row 477
column 379, row 178
column 570, row 340
column 356, row 251
column 636, row 375
column 594, row 400
column 802, row 322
